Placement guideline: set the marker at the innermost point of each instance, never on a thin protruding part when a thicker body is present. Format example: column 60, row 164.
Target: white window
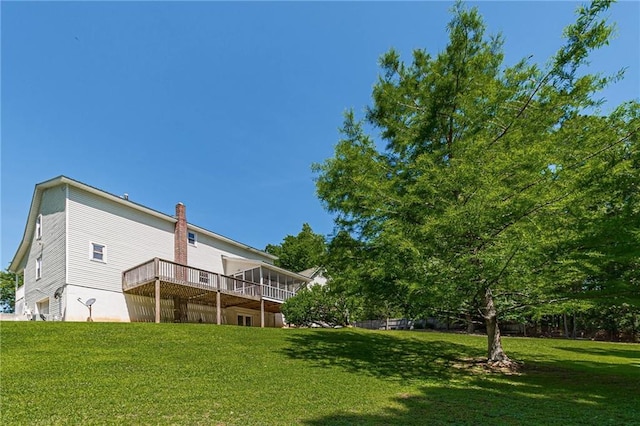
column 42, row 308
column 39, row 227
column 98, row 252
column 192, row 238
column 39, row 267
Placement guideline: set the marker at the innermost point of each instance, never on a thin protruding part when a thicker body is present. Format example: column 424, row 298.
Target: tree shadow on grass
column 450, row 388
column 517, row 401
column 382, row 355
column 607, row 351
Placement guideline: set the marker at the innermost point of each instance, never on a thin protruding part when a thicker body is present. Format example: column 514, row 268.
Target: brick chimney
column 180, row 241
column 180, row 256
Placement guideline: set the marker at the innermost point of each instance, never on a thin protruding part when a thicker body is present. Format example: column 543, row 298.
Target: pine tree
column 480, row 195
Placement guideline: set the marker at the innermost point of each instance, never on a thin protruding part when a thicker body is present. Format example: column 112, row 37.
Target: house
column 316, row 275
column 90, row 255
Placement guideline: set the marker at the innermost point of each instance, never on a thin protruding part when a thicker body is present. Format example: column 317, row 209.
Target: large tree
column 484, row 189
column 299, row 252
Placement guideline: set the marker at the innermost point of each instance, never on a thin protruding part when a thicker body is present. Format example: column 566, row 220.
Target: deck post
column 261, row 312
column 218, row 313
column 157, row 300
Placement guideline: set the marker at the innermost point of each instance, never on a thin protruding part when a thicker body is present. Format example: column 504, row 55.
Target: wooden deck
column 159, row 278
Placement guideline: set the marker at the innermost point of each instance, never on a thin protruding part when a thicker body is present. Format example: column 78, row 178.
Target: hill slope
column 101, row 373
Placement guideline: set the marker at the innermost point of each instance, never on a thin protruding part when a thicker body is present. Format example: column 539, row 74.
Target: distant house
column 316, row 275
column 83, row 245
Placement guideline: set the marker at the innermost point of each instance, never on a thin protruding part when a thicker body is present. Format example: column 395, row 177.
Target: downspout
column 63, row 313
column 15, row 294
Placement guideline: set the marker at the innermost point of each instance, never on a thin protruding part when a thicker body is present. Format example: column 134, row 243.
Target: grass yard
column 105, row 373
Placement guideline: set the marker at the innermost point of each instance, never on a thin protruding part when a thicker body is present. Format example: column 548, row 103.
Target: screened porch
column 276, row 283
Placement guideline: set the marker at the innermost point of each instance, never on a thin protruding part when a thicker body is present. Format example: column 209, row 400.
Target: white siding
column 52, row 249
column 319, row 279
column 19, row 306
column 230, row 316
column 131, row 237
column 208, row 252
column 73, row 216
column 109, row 305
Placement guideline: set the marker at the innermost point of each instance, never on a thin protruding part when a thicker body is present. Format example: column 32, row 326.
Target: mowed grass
column 105, row 373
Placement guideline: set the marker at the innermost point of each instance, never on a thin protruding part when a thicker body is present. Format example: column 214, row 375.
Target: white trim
column 258, row 263
column 66, row 234
column 92, row 252
column 39, row 227
column 39, row 303
column 38, row 267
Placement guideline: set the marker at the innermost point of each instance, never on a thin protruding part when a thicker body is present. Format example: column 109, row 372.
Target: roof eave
column 269, row 266
column 29, row 227
column 63, row 180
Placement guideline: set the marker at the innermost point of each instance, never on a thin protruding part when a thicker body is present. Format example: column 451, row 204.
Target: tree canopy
column 490, row 187
column 303, row 251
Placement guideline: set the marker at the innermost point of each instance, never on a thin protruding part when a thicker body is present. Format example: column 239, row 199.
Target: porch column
column 261, row 312
column 218, row 313
column 157, row 300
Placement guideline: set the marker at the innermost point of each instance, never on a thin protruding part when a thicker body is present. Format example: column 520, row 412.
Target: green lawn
column 105, row 373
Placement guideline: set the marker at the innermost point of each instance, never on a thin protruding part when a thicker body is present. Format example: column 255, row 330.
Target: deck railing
column 276, row 293
column 237, row 285
column 186, row 275
column 172, row 272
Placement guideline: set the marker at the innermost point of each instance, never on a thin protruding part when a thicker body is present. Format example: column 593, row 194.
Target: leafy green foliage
column 616, row 321
column 108, row 373
column 315, row 304
column 499, row 187
column 7, row 291
column 303, row 251
column 358, row 280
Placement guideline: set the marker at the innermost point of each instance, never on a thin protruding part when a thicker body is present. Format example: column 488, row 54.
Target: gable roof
column 257, row 263
column 63, row 180
column 312, row 272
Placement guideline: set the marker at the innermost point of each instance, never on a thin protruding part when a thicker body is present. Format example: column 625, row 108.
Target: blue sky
column 224, row 106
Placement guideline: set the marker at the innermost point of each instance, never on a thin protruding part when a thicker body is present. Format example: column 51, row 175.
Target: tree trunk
column 470, row 325
column 495, row 353
column 566, row 326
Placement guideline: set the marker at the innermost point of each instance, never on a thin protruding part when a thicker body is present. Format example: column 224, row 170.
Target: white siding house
column 81, row 243
column 316, row 275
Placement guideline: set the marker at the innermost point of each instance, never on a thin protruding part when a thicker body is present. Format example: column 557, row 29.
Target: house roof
column 255, row 263
column 311, row 272
column 63, row 180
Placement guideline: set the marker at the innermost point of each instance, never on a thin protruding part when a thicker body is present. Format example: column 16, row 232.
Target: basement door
column 244, row 320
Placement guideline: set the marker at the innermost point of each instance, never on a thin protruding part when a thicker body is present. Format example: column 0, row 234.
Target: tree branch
column 504, row 268
column 522, row 109
column 574, row 165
